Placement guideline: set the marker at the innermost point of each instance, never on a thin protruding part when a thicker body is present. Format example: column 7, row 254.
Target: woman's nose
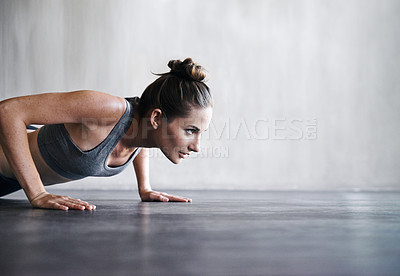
column 195, row 146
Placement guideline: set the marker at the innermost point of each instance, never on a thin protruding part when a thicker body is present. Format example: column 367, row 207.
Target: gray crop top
column 65, row 158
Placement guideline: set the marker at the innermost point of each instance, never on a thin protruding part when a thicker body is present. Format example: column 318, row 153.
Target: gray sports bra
column 65, row 158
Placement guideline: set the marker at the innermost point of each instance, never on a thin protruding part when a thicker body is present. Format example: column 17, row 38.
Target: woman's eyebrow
column 195, row 127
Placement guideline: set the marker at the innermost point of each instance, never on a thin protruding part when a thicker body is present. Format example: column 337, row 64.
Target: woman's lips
column 183, row 155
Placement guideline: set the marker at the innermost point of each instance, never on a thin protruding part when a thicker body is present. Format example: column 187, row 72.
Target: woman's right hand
column 50, row 201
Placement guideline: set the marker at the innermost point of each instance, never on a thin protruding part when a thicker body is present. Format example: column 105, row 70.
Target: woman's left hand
column 157, row 196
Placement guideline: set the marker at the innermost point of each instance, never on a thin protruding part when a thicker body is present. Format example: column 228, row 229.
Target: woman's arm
column 141, row 165
column 49, row 108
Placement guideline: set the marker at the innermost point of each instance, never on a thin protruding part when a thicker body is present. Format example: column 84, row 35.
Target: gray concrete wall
column 306, row 92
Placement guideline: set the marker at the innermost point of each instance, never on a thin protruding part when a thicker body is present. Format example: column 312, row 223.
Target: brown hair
column 177, row 91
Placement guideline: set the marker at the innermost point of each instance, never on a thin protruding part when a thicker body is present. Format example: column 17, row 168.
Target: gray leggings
column 8, row 185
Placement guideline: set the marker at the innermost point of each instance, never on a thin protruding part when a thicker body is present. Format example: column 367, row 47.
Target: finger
column 158, row 197
column 172, row 197
column 74, row 206
column 87, row 205
column 79, row 204
column 163, row 198
column 90, row 207
column 59, row 206
column 179, row 198
column 75, row 203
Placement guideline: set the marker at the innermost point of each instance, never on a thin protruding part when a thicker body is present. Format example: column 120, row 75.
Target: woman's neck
column 139, row 134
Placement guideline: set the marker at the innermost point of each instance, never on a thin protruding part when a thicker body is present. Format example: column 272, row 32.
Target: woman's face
column 182, row 136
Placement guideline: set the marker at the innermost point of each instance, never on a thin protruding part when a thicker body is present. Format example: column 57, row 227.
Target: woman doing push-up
column 90, row 133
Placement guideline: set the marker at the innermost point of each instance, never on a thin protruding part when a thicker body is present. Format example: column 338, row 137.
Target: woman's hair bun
column 187, row 69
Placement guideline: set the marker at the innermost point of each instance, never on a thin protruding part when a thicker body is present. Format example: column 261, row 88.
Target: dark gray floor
column 220, row 233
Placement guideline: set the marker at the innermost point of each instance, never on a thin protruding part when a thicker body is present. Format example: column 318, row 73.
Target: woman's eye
column 190, row 131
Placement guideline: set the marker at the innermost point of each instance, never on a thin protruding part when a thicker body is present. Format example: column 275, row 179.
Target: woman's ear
column 156, row 118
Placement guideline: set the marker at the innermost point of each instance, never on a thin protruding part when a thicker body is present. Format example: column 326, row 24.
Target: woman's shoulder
column 100, row 99
column 102, row 105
